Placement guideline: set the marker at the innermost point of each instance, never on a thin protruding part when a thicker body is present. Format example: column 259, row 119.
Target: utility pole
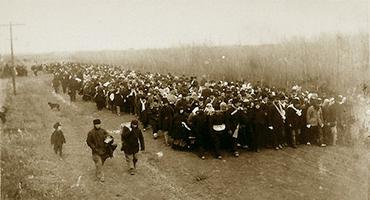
column 10, row 25
column 339, row 58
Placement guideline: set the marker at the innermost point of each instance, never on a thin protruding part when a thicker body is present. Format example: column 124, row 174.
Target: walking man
column 131, row 136
column 95, row 140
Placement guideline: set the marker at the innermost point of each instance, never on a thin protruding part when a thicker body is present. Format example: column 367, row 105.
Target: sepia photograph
column 185, row 99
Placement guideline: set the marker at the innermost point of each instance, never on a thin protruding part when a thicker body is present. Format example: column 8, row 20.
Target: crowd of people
column 7, row 70
column 209, row 115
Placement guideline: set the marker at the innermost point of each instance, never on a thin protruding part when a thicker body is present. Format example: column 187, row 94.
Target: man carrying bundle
column 101, row 145
column 131, row 136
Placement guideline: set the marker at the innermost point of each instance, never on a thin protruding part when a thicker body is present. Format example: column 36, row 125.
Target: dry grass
column 23, row 176
column 325, row 61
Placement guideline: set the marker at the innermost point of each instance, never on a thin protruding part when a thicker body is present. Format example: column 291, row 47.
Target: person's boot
column 135, row 161
column 294, row 142
column 132, row 171
column 166, row 139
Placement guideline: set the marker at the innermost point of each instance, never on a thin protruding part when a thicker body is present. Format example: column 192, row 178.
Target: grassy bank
column 23, row 176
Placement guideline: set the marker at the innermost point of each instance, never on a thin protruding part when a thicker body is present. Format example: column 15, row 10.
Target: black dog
column 54, row 105
column 3, row 112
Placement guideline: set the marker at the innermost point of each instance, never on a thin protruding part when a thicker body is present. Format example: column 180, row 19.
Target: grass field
column 30, row 169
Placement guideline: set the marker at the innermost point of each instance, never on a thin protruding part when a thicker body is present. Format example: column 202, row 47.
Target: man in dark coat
column 233, row 125
column 181, row 103
column 99, row 98
column 118, row 101
column 65, row 80
column 154, row 117
column 166, row 119
column 260, row 120
column 57, row 139
column 125, row 92
column 294, row 117
column 276, row 117
column 95, row 140
column 303, row 139
column 131, row 136
column 73, row 87
column 246, row 126
column 199, row 126
column 180, row 131
column 131, row 101
column 217, row 127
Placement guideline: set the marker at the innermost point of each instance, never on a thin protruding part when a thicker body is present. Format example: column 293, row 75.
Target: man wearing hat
column 95, row 140
column 57, row 139
column 131, row 136
column 166, row 115
column 154, row 117
column 294, row 118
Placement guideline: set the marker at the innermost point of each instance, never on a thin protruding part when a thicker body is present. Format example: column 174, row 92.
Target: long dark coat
column 200, row 128
column 178, row 130
column 130, row 140
column 232, row 119
column 57, row 138
column 118, row 99
column 260, row 115
column 293, row 120
column 200, row 124
column 95, row 140
column 217, row 118
column 153, row 115
column 166, row 117
column 274, row 117
column 100, row 99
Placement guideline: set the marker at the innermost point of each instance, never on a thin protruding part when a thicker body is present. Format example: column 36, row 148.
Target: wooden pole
column 12, row 58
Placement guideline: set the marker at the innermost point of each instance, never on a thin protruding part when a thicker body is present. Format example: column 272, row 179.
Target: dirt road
column 303, row 173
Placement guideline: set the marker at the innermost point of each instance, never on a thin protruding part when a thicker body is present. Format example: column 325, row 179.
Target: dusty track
column 303, row 173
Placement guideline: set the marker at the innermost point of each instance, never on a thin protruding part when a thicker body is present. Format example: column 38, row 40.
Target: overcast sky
column 71, row 25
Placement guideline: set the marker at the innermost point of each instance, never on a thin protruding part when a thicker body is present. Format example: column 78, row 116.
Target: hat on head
column 96, row 121
column 134, row 122
column 295, row 101
column 56, row 125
